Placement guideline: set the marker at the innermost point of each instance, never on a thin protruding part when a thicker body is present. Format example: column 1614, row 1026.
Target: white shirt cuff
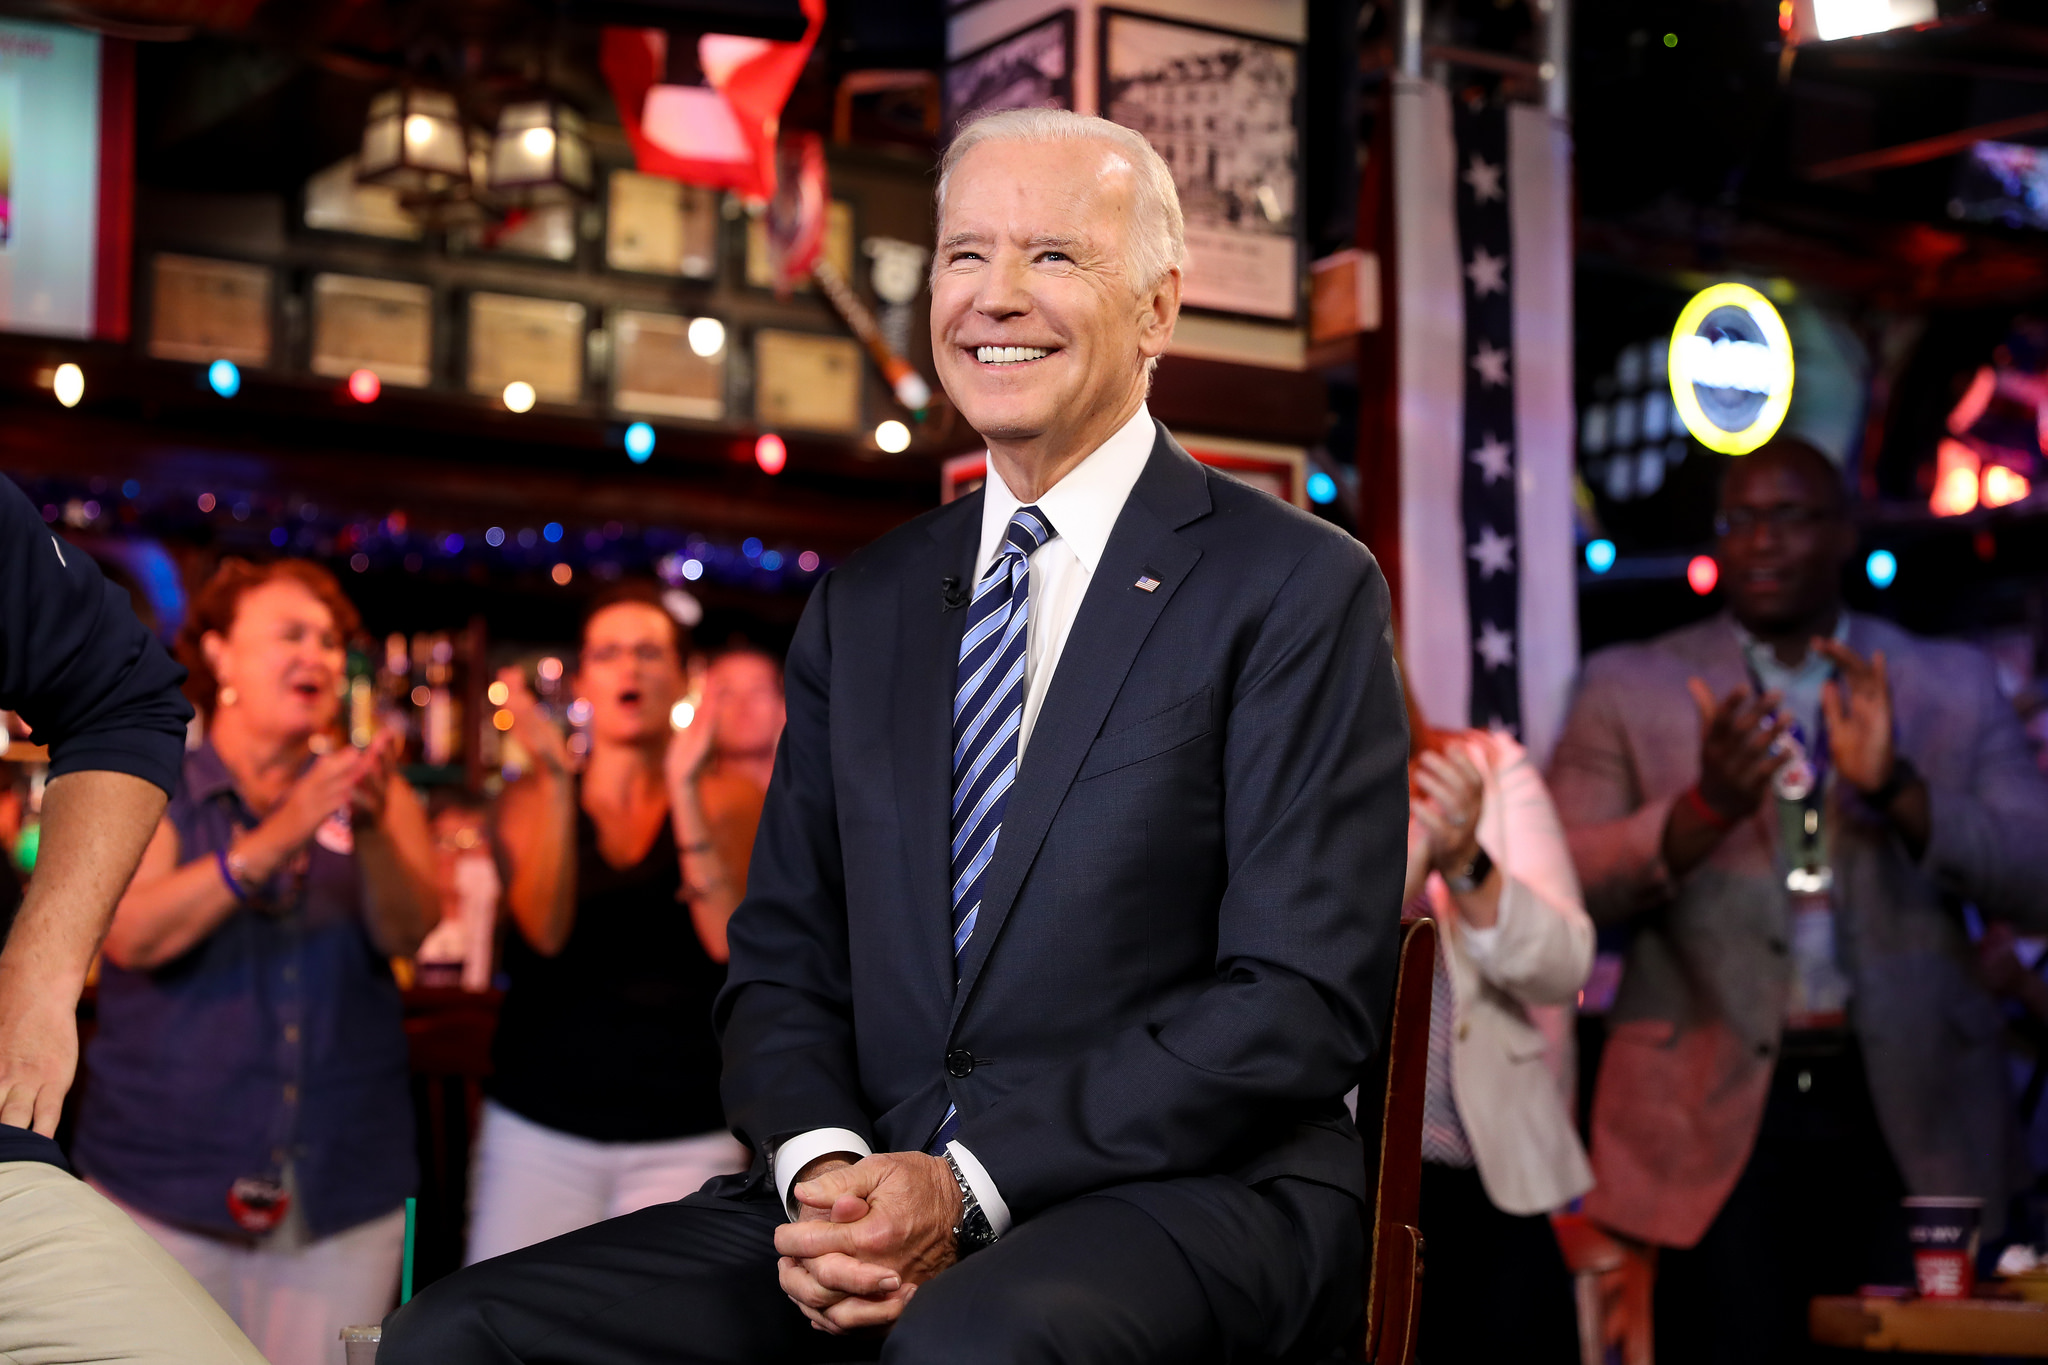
column 1483, row 945
column 801, row 1150
column 985, row 1192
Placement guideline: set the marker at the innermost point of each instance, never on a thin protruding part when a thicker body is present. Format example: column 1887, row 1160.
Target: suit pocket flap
column 1169, row 729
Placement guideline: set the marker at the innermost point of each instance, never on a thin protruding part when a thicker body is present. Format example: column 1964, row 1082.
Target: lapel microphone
column 952, row 596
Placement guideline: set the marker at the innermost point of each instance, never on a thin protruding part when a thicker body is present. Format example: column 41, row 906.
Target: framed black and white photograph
column 1224, row 111
column 1032, row 68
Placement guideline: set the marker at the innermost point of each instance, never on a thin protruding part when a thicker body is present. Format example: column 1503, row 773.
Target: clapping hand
column 867, row 1235
column 374, row 769
column 1740, row 747
column 1453, row 793
column 1857, row 702
column 690, row 749
column 328, row 785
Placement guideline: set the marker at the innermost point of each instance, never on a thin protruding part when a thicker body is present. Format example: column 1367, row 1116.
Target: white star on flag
column 1484, row 178
column 1494, row 552
column 1491, row 364
column 1492, row 457
column 1487, row 272
column 1496, row 646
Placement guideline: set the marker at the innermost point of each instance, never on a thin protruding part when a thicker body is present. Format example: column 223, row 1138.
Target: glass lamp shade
column 413, row 141
column 540, row 151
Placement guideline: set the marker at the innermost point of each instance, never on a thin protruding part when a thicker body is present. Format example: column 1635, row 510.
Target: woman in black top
column 604, row 1097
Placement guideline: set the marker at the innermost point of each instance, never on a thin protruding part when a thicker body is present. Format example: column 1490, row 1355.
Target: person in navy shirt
column 250, row 1103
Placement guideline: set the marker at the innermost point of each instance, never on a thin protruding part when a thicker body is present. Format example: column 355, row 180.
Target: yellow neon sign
column 1759, row 364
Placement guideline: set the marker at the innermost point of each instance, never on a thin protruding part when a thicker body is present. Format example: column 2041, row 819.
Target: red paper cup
column 1943, row 1234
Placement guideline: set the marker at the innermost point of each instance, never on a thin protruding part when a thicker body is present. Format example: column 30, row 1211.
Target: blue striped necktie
column 988, row 711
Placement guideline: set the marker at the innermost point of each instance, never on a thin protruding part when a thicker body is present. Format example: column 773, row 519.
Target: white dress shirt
column 1082, row 509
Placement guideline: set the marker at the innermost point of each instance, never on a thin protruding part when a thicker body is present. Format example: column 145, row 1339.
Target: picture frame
column 808, row 379
column 544, row 232
column 838, row 247
column 514, row 337
column 335, row 201
column 656, row 372
column 383, row 326
column 1224, row 110
column 658, row 226
column 1031, row 68
column 203, row 310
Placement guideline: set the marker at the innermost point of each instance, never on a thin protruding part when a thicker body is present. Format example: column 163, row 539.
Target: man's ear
column 1161, row 305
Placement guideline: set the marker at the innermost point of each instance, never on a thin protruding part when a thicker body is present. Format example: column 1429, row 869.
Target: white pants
column 293, row 1301
column 530, row 1182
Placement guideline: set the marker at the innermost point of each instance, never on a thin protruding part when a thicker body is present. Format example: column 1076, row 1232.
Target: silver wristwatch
column 973, row 1232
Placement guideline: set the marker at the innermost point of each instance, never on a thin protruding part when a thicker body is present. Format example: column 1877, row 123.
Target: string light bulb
column 639, row 442
column 68, row 384
column 519, row 396
column 706, row 336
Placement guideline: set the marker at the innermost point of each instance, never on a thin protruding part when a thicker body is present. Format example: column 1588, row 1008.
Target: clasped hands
column 867, row 1234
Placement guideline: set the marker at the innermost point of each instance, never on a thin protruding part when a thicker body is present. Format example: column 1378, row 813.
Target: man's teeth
column 1009, row 355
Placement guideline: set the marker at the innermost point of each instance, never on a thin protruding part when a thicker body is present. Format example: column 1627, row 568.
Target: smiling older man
column 1073, row 910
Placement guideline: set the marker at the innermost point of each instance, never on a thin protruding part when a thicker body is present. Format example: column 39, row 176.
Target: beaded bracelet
column 220, row 857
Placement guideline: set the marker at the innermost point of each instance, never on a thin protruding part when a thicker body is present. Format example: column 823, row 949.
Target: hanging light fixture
column 541, row 153
column 413, row 141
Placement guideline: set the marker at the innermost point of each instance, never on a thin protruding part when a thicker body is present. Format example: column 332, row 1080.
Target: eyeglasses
column 1787, row 516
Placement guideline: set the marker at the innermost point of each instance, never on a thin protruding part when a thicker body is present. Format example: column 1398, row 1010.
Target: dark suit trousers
column 1246, row 1275
column 1816, row 1211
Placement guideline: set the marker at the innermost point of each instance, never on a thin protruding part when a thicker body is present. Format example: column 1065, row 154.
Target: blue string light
column 552, row 531
column 1881, row 568
column 639, row 442
column 1599, row 555
column 224, row 377
column 1321, row 488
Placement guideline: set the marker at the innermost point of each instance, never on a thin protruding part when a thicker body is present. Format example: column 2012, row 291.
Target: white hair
column 1157, row 240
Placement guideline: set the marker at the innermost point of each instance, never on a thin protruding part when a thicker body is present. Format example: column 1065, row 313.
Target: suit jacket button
column 959, row 1062
column 1763, row 1049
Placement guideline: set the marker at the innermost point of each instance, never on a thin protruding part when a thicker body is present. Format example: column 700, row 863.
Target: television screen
column 63, row 217
column 2004, row 183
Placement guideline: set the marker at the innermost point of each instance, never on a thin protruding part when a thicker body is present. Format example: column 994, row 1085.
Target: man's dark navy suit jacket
column 1187, row 940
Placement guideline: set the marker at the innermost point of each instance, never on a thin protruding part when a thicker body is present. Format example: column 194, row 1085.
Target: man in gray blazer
column 1788, row 805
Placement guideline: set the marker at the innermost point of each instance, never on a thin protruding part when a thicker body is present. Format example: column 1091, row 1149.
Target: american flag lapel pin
column 1147, row 583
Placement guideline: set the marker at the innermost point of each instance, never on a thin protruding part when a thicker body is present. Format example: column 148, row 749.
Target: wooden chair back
column 1393, row 1290
column 449, row 1032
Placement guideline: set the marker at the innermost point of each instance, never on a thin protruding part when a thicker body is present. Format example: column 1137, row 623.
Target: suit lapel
column 923, row 727
column 1722, row 664
column 1114, row 620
